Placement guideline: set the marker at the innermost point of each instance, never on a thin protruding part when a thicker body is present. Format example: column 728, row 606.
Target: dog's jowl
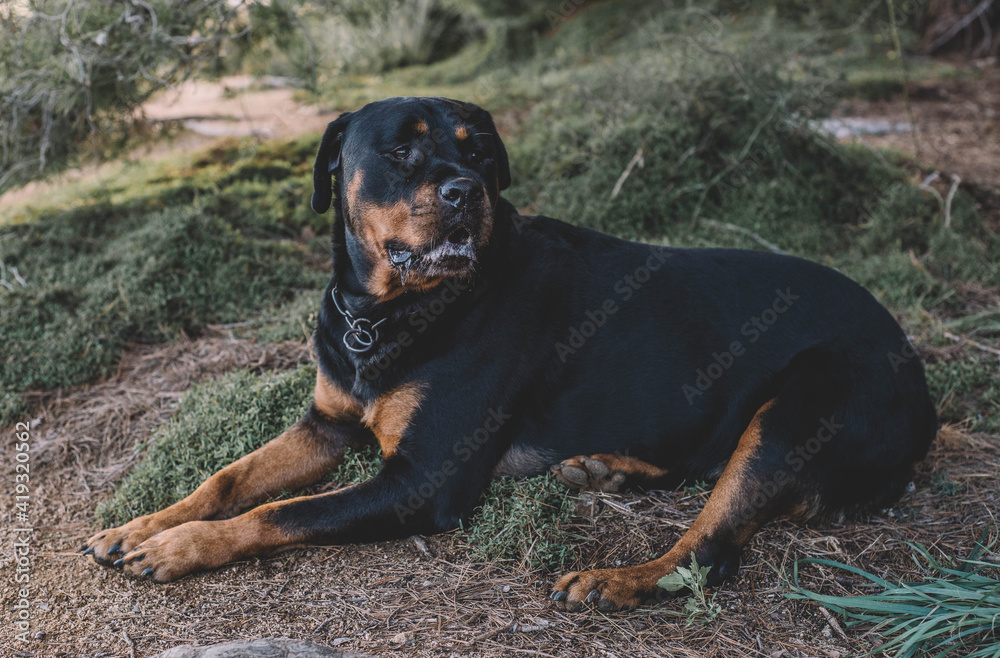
column 470, row 342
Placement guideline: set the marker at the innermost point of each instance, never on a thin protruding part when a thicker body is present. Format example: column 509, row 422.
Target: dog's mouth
column 455, row 255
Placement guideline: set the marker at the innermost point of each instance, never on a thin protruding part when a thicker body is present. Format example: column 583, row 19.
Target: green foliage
column 967, row 390
column 700, row 607
column 358, row 465
column 216, row 423
column 154, row 255
column 374, row 36
column 524, row 522
column 97, row 279
column 72, row 72
column 953, row 611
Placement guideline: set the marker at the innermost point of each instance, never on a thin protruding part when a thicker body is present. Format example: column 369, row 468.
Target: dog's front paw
column 179, row 551
column 109, row 545
column 588, row 474
column 607, row 589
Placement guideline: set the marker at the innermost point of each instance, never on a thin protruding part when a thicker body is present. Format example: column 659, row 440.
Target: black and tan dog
column 471, row 342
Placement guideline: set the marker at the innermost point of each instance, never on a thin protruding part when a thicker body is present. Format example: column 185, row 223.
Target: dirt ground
column 957, row 126
column 402, row 598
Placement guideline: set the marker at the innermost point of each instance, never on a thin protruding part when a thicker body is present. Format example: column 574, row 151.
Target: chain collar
column 362, row 334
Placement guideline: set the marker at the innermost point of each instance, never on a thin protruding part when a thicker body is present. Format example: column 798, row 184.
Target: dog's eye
column 402, row 153
column 477, row 156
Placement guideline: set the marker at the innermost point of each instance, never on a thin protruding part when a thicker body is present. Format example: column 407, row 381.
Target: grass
column 967, row 391
column 216, row 423
column 157, row 254
column 524, row 522
column 954, row 611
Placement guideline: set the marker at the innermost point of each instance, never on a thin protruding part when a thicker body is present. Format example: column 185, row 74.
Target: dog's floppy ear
column 485, row 124
column 327, row 161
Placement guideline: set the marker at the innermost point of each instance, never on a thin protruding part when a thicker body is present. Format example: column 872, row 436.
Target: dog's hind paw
column 588, row 474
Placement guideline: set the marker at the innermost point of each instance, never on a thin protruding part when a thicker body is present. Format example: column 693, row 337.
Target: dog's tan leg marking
column 390, row 415
column 298, row 457
column 726, row 523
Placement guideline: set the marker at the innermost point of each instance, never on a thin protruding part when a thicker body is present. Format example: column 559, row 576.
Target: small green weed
column 699, row 488
column 700, row 607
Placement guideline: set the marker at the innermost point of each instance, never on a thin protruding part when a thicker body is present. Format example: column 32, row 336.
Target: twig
column 321, row 625
column 894, row 30
column 955, row 180
column 834, row 624
column 770, row 246
column 959, row 26
column 980, row 346
column 636, row 160
column 131, row 644
column 17, row 276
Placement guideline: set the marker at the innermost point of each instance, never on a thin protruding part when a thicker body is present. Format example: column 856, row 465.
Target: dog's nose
column 458, row 192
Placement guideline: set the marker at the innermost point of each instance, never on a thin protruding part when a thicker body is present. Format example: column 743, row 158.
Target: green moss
column 216, row 423
column 524, row 522
column 216, row 238
column 967, row 390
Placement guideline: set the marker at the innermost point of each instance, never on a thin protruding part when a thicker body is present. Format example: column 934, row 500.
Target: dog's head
column 418, row 180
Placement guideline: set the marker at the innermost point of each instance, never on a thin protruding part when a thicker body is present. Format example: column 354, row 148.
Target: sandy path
column 237, row 106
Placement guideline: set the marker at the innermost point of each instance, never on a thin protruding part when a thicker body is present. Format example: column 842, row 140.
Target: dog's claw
column 558, row 596
column 593, row 596
column 607, row 606
column 147, row 571
column 88, row 550
column 119, row 562
column 115, row 549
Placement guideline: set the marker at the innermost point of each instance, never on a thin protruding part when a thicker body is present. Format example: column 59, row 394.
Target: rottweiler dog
column 471, row 342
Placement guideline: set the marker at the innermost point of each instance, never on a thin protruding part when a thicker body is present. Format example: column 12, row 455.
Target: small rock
column 402, row 638
column 40, row 635
column 261, row 648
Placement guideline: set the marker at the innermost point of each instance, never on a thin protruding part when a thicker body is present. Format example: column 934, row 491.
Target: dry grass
column 431, row 598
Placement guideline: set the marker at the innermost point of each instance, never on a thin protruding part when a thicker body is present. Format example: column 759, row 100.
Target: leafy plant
column 700, row 607
column 72, row 74
column 953, row 611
